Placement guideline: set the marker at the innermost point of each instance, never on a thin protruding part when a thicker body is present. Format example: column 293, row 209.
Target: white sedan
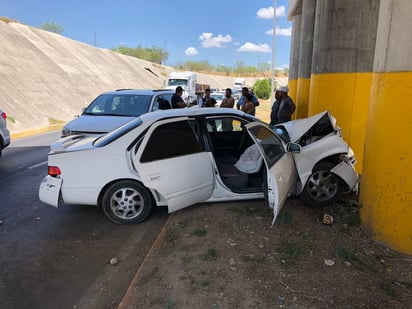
column 177, row 158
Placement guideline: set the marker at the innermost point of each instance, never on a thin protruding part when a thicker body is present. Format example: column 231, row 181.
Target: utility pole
column 272, row 90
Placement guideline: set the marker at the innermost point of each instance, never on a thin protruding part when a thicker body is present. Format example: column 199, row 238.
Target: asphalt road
column 60, row 258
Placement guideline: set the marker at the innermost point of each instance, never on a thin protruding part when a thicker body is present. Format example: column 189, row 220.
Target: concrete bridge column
column 386, row 187
column 305, row 58
column 343, row 53
column 294, row 56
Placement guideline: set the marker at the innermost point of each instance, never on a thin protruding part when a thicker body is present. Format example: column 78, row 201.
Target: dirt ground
column 228, row 255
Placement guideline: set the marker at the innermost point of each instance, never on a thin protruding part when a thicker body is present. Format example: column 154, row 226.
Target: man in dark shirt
column 177, row 101
column 208, row 101
column 282, row 108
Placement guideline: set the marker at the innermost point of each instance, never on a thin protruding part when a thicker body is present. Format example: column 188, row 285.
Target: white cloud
column 251, row 47
column 281, row 31
column 191, row 51
column 209, row 41
column 267, row 13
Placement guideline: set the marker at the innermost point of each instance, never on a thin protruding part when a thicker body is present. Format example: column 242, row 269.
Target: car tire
column 322, row 187
column 127, row 202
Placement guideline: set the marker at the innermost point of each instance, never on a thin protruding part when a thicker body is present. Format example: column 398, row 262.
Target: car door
column 280, row 166
column 172, row 161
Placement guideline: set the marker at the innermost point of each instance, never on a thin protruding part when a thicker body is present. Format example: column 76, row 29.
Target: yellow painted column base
column 386, row 187
column 346, row 96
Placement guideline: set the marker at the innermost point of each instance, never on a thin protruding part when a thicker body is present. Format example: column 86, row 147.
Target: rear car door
column 173, row 161
column 281, row 171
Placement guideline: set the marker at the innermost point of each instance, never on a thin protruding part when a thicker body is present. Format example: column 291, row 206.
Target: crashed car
column 181, row 157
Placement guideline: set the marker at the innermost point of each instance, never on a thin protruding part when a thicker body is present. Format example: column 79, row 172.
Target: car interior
column 228, row 140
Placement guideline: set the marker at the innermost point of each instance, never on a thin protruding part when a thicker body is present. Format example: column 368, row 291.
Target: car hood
column 297, row 128
column 96, row 124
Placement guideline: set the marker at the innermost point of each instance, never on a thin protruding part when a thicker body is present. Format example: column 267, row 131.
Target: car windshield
column 119, row 105
column 177, row 82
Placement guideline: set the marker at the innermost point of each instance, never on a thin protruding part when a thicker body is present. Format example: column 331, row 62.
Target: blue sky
column 221, row 32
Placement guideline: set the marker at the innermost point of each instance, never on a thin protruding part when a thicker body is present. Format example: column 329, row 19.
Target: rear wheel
column 127, row 202
column 323, row 187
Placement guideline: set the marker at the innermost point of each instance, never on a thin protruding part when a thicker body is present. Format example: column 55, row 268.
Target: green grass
column 291, row 252
column 53, row 121
column 211, row 254
column 250, row 210
column 11, row 119
column 284, row 217
column 200, row 232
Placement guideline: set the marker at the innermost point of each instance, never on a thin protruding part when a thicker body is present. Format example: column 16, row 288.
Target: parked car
column 4, row 132
column 113, row 109
column 178, row 158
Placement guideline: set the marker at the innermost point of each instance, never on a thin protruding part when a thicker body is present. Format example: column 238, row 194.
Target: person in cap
column 283, row 107
column 177, row 100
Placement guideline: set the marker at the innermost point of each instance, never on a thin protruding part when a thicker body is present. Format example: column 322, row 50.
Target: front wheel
column 126, row 202
column 323, row 187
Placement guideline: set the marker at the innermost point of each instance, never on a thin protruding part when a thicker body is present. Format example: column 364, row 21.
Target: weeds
column 253, row 259
column 53, row 121
column 250, row 210
column 291, row 252
column 199, row 232
column 285, row 217
column 388, row 289
column 351, row 257
column 212, row 254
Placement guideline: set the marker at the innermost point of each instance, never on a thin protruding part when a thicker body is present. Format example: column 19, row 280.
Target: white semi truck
column 187, row 80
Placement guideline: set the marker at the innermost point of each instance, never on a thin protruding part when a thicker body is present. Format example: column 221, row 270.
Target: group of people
column 281, row 111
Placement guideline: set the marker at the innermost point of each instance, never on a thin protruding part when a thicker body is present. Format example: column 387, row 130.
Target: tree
column 262, row 89
column 52, row 27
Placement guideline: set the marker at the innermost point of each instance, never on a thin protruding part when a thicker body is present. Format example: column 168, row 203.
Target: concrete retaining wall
column 45, row 76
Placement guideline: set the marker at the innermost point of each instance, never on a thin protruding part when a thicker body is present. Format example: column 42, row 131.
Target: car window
column 271, row 144
column 116, row 133
column 224, row 124
column 171, row 140
column 161, row 102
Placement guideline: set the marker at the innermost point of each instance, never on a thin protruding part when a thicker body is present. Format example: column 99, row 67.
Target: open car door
column 280, row 166
column 171, row 161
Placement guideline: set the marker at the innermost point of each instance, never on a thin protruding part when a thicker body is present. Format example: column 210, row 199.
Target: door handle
column 153, row 177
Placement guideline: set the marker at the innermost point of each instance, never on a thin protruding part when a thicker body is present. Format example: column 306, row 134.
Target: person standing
column 228, row 101
column 283, row 107
column 177, row 100
column 207, row 100
column 248, row 107
column 240, row 102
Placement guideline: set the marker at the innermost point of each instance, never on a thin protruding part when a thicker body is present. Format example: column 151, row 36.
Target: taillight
column 54, row 171
column 3, row 115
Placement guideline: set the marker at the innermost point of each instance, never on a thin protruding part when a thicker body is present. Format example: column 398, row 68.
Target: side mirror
column 293, row 147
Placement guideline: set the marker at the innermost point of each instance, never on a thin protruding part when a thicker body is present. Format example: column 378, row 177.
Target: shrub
column 262, row 89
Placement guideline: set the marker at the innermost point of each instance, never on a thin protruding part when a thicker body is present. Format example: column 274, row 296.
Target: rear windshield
column 115, row 134
column 119, row 105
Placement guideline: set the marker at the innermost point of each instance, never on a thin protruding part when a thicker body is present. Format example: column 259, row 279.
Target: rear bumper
column 49, row 191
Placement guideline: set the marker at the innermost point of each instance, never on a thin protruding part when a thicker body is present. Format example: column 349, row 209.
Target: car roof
column 191, row 112
column 139, row 91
